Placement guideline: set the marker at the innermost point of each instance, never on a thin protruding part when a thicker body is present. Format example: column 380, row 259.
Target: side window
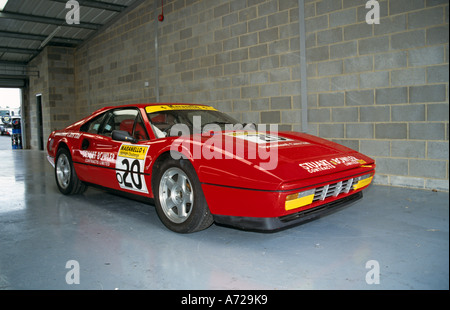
column 128, row 120
column 119, row 120
column 93, row 125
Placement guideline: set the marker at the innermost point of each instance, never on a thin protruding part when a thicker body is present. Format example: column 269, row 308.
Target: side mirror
column 122, row 135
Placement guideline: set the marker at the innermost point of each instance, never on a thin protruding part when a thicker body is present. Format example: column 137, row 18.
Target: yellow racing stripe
column 172, row 107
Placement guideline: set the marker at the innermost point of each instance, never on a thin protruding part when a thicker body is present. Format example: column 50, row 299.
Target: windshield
column 195, row 120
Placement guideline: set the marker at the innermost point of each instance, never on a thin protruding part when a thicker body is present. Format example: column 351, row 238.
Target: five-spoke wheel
column 175, row 195
column 65, row 175
column 63, row 171
column 179, row 198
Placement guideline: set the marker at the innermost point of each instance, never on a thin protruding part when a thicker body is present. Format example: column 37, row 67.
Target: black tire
column 179, row 199
column 65, row 175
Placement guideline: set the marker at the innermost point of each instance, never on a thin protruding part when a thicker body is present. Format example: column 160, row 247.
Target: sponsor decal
column 317, row 165
column 75, row 135
column 98, row 158
column 347, row 161
column 130, row 167
column 169, row 107
column 258, row 137
column 133, row 151
column 321, row 165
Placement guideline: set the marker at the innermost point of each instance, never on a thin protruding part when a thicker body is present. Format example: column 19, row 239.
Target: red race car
column 200, row 166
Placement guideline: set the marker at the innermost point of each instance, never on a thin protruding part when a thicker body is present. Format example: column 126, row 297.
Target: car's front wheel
column 65, row 175
column 179, row 198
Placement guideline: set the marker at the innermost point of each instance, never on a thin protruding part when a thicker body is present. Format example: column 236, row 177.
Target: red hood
column 259, row 164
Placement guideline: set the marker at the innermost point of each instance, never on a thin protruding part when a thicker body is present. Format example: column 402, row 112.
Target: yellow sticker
column 234, row 134
column 133, row 151
column 172, row 107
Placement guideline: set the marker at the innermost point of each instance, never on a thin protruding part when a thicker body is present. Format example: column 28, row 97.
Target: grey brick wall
column 56, row 85
column 248, row 51
column 385, row 85
column 381, row 89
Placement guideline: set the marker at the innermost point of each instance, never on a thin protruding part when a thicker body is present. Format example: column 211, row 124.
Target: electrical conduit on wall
column 303, row 74
column 157, row 20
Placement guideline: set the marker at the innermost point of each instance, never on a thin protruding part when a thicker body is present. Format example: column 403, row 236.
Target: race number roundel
column 130, row 167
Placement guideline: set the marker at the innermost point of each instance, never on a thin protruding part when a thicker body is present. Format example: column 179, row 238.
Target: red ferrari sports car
column 200, row 166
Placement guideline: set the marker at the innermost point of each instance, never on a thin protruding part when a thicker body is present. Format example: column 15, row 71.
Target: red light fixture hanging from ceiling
column 161, row 16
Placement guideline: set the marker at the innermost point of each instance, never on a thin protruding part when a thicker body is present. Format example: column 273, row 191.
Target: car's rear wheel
column 65, row 175
column 179, row 198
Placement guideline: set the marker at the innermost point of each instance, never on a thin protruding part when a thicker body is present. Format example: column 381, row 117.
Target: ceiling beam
column 12, row 63
column 38, row 37
column 12, row 82
column 12, row 76
column 16, row 50
column 98, row 5
column 47, row 20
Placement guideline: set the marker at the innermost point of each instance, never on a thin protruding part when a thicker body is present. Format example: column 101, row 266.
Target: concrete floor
column 120, row 243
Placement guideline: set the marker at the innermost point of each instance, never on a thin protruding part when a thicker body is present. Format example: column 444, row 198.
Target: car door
column 84, row 152
column 117, row 164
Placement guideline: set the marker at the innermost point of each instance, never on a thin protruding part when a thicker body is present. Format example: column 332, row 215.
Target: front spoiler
column 273, row 224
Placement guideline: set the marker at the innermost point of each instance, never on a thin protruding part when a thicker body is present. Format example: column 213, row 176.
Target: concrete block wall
column 37, row 85
column 55, row 84
column 239, row 56
column 380, row 89
column 114, row 67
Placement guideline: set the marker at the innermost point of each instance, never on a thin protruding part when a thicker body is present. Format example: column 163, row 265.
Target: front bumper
column 273, row 224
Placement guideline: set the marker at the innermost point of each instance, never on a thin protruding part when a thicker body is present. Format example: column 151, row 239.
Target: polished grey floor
column 392, row 239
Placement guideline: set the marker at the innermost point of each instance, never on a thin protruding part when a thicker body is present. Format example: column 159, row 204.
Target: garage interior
column 324, row 67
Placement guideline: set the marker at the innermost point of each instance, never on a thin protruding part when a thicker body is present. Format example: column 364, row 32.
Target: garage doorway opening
column 39, row 122
column 10, row 113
